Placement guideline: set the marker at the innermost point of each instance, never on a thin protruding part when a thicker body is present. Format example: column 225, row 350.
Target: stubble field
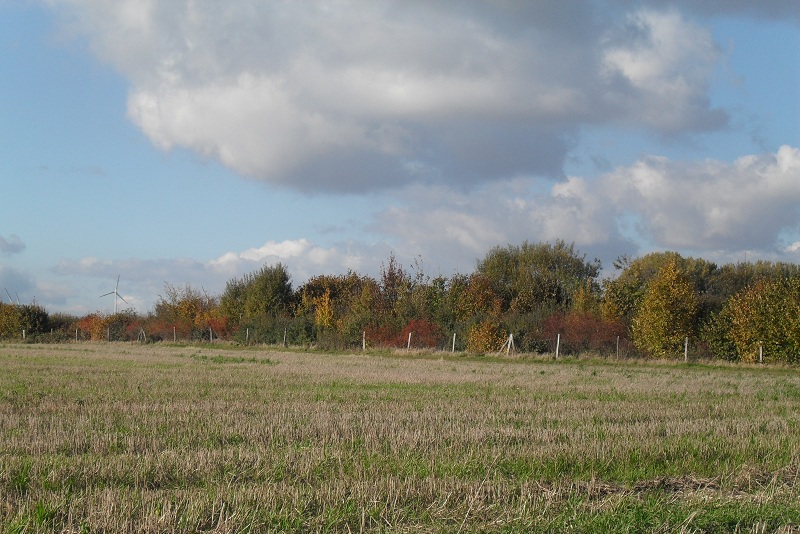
column 149, row 438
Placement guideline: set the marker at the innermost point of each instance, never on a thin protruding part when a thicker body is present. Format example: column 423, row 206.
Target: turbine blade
column 107, row 294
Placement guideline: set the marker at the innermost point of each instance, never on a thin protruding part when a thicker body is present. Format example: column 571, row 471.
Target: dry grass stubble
column 129, row 438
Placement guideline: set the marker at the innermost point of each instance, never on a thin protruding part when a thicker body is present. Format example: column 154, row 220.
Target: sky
column 193, row 141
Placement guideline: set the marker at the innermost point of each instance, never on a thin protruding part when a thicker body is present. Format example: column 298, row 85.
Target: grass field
column 132, row 438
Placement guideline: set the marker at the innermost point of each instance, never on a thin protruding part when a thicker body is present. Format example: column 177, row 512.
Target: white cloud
column 354, row 96
column 666, row 61
column 452, row 230
column 712, row 205
column 727, row 208
column 768, row 9
column 303, row 258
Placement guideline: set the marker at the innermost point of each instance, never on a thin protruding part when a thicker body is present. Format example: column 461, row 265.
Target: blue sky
column 191, row 142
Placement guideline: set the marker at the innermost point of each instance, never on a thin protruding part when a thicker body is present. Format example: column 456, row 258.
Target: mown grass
column 129, row 438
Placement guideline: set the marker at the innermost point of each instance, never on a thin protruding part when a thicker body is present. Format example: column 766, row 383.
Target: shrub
column 486, row 336
column 424, row 334
column 583, row 331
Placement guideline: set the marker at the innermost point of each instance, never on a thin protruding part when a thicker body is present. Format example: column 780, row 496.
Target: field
column 148, row 438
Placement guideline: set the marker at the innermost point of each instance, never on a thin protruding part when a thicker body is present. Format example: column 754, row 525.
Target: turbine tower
column 116, row 295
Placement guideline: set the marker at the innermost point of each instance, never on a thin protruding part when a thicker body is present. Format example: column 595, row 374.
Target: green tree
column 667, row 313
column 715, row 333
column 261, row 294
column 532, row 275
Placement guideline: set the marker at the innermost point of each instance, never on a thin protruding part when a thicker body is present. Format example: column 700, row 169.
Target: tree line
column 541, row 293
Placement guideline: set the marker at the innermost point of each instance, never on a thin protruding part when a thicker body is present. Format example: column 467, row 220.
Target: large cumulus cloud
column 354, row 96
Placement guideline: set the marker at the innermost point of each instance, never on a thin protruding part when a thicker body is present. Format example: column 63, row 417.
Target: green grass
column 129, row 438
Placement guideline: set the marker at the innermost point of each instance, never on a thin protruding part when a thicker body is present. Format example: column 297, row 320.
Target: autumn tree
column 477, row 299
column 487, row 335
column 16, row 318
column 94, row 325
column 479, row 307
column 186, row 312
column 667, row 313
column 767, row 314
column 392, row 306
column 731, row 279
column 623, row 295
column 10, row 321
column 339, row 307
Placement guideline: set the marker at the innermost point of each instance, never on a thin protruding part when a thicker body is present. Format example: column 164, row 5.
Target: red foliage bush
column 584, row 331
column 424, row 334
column 384, row 336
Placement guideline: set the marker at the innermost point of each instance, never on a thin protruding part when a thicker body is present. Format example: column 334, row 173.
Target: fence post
column 618, row 347
column 454, row 342
column 558, row 344
column 364, row 341
column 760, row 352
column 686, row 350
column 408, row 347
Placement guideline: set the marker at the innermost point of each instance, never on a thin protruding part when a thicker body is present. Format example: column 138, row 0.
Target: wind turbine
column 116, row 295
column 10, row 300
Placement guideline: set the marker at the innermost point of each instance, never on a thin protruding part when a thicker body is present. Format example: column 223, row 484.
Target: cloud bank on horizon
column 466, row 115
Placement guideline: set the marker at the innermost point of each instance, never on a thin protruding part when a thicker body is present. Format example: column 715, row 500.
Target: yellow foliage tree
column 323, row 309
column 667, row 314
column 767, row 314
column 486, row 336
